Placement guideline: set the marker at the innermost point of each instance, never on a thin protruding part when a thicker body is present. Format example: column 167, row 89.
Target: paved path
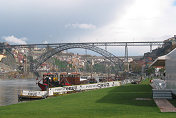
column 164, row 105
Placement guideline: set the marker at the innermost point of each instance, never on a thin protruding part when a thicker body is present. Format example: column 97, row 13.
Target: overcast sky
column 50, row 21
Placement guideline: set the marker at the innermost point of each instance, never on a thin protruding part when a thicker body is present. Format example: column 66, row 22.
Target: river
column 9, row 89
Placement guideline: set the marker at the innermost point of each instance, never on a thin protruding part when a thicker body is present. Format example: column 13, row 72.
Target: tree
column 135, row 67
column 62, row 65
column 99, row 68
column 150, row 71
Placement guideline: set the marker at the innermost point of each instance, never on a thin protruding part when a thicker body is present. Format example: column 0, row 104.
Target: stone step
column 162, row 97
column 170, row 97
column 166, row 97
column 164, row 94
column 161, row 90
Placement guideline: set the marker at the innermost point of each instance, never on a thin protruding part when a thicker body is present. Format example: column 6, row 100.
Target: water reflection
column 9, row 89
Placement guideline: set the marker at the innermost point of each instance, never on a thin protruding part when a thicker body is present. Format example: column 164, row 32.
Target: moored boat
column 70, row 78
column 28, row 95
column 48, row 80
column 51, row 80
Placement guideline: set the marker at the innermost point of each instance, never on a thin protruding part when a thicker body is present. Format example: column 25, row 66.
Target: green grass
column 115, row 102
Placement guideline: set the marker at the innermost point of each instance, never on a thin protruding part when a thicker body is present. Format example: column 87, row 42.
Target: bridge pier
column 126, row 53
column 106, row 46
column 150, row 47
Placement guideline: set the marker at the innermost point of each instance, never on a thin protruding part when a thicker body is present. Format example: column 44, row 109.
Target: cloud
column 143, row 20
column 80, row 26
column 15, row 40
column 107, row 20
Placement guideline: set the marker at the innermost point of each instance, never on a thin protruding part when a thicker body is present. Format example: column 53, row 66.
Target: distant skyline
column 55, row 21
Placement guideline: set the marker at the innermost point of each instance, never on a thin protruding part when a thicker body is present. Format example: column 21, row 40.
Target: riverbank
column 15, row 74
column 105, row 103
column 10, row 88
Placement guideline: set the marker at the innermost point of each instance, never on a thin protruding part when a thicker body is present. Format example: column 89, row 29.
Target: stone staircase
column 162, row 93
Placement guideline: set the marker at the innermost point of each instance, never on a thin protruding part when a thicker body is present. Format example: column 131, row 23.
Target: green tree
column 62, row 65
column 135, row 67
column 150, row 71
column 99, row 68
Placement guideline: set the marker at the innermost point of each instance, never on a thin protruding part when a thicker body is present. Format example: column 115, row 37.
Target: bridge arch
column 9, row 59
column 115, row 60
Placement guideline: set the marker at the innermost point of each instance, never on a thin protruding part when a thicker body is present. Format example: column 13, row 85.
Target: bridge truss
column 94, row 46
column 115, row 60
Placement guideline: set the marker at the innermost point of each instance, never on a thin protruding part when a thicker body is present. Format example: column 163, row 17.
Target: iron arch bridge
column 115, row 60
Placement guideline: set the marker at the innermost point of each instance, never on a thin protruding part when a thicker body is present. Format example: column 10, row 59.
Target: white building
column 169, row 63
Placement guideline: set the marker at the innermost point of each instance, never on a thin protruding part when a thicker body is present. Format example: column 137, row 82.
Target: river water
column 9, row 89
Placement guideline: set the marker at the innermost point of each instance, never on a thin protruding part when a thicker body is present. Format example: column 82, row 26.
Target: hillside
column 168, row 46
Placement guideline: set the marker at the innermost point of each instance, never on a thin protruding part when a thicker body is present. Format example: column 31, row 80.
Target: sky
column 58, row 21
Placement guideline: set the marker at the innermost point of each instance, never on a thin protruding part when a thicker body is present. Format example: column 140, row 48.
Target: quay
column 28, row 94
column 119, row 101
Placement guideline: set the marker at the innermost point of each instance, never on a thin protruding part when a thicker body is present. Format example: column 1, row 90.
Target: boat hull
column 43, row 87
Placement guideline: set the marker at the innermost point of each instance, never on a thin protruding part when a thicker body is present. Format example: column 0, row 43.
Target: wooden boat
column 51, row 80
column 70, row 78
column 28, row 95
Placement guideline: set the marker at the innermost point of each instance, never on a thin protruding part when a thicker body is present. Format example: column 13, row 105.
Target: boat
column 31, row 95
column 68, row 79
column 50, row 80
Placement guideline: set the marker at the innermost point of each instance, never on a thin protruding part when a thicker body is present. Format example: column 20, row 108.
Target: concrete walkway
column 164, row 105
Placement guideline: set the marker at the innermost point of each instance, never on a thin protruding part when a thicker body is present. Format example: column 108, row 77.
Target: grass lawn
column 115, row 102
